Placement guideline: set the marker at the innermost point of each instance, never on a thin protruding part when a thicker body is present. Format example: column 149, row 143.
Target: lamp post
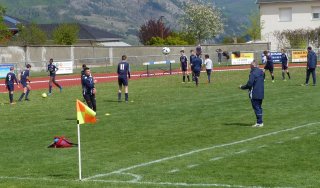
column 162, row 28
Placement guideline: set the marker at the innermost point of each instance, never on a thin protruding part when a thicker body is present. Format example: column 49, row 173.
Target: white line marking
column 296, row 138
column 280, row 142
column 192, row 166
column 239, row 152
column 136, row 177
column 216, row 158
column 198, row 151
column 180, row 184
column 174, row 171
column 313, row 133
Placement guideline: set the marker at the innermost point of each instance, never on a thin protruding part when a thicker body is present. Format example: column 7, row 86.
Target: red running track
column 74, row 80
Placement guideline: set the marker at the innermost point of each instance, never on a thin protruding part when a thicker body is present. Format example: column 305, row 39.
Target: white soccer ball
column 165, row 50
column 44, row 95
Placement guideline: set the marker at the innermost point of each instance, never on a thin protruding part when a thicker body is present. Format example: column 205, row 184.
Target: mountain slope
column 122, row 17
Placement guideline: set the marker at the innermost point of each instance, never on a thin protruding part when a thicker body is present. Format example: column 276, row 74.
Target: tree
column 30, row 35
column 202, row 21
column 255, row 26
column 153, row 28
column 66, row 34
column 4, row 31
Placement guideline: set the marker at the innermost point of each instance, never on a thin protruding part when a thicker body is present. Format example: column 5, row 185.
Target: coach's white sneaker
column 258, row 125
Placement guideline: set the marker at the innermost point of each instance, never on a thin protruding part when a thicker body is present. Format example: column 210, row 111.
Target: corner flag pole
column 79, row 151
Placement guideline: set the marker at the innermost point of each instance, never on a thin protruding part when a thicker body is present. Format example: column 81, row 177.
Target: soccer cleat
column 49, row 94
column 314, row 84
column 27, row 99
column 304, row 84
column 183, row 82
column 258, row 125
column 284, row 80
column 60, row 89
column 12, row 103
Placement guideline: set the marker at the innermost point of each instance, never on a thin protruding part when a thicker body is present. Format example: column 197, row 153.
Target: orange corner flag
column 85, row 114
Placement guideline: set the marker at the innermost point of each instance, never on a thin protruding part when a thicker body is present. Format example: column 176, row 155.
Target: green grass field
column 171, row 135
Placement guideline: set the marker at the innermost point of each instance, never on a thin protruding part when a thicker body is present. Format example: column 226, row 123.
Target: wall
column 301, row 18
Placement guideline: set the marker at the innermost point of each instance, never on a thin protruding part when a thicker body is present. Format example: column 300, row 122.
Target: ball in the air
column 44, row 95
column 165, row 50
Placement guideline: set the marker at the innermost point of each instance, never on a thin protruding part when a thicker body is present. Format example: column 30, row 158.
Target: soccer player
column 24, row 79
column 193, row 55
column 255, row 85
column 311, row 66
column 284, row 62
column 123, row 75
column 82, row 71
column 89, row 90
column 52, row 73
column 184, row 67
column 209, row 66
column 267, row 60
column 10, row 79
column 197, row 62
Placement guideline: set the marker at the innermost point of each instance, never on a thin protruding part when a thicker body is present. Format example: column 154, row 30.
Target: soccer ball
column 44, row 95
column 165, row 50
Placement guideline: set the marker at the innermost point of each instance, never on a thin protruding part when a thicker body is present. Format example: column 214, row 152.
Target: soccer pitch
column 169, row 135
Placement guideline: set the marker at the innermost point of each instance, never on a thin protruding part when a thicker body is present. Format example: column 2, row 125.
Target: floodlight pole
column 79, row 151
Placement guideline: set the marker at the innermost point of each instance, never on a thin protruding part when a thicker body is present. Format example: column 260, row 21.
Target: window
column 285, row 14
column 315, row 13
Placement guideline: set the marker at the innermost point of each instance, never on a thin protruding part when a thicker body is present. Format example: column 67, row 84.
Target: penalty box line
column 119, row 171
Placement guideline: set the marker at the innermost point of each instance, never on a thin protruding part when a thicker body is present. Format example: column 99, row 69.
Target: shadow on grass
column 239, row 124
column 71, row 119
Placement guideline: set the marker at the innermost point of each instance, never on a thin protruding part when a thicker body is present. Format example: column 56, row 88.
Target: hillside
column 121, row 17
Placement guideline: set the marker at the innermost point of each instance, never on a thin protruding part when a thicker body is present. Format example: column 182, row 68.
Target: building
column 88, row 36
column 280, row 15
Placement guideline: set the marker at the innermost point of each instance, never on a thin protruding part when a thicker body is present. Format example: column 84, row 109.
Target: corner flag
column 85, row 114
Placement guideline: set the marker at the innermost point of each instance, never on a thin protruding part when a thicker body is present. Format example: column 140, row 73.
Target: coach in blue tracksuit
column 255, row 85
column 311, row 66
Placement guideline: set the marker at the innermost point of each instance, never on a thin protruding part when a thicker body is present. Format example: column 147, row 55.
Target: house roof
column 12, row 22
column 283, row 1
column 86, row 33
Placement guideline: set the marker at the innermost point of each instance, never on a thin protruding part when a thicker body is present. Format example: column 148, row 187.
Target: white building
column 279, row 15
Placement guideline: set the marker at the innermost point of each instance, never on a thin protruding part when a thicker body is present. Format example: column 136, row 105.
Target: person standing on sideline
column 193, row 55
column 88, row 89
column 311, row 66
column 267, row 60
column 24, row 78
column 197, row 62
column 10, row 80
column 209, row 66
column 52, row 69
column 184, row 67
column 255, row 85
column 123, row 75
column 284, row 62
column 219, row 52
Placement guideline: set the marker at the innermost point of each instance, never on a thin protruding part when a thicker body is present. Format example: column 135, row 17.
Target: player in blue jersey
column 284, row 62
column 10, row 80
column 24, row 79
column 197, row 63
column 52, row 69
column 88, row 89
column 267, row 60
column 184, row 66
column 123, row 75
column 193, row 55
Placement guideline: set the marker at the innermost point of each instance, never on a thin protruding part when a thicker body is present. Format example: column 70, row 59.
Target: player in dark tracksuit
column 123, row 75
column 255, row 85
column 9, row 81
column 184, row 67
column 197, row 63
column 284, row 62
column 24, row 79
column 191, row 65
column 52, row 69
column 268, row 65
column 311, row 66
column 88, row 89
